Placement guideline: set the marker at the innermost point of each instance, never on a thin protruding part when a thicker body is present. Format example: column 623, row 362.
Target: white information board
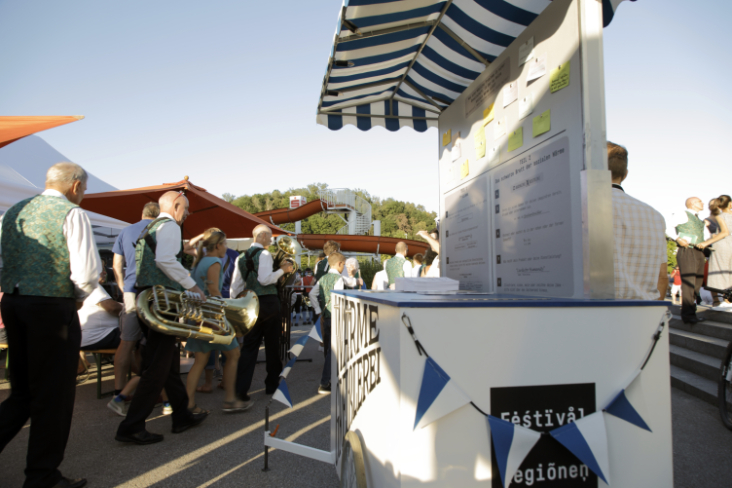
column 511, row 153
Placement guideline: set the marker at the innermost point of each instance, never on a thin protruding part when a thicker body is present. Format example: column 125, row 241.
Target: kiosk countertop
column 485, row 300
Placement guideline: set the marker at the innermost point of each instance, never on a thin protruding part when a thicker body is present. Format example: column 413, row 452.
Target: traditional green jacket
column 395, row 268
column 327, row 284
column 251, row 277
column 694, row 227
column 321, row 269
column 35, row 252
column 148, row 273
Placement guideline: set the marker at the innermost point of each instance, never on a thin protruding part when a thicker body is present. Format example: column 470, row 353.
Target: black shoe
column 194, row 420
column 324, row 389
column 67, row 483
column 700, row 319
column 690, row 321
column 141, row 438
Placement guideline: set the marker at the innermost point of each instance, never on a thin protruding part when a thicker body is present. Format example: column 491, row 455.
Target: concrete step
column 706, row 312
column 709, row 328
column 702, row 388
column 710, row 346
column 695, row 362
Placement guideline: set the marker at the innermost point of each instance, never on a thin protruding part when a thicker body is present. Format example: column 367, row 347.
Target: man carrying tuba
column 254, row 271
column 158, row 254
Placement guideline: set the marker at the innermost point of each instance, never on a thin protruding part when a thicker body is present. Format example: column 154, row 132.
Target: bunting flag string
column 629, row 404
column 299, row 346
column 438, row 395
column 586, row 438
column 283, row 394
column 512, row 443
column 315, row 332
column 288, row 367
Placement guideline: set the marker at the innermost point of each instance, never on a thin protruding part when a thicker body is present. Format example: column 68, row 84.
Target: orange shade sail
column 13, row 128
column 206, row 210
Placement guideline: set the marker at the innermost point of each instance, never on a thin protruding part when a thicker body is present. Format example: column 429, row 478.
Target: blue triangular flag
column 438, row 395
column 298, row 347
column 621, row 408
column 288, row 367
column 511, row 443
column 586, row 438
column 315, row 332
column 283, row 394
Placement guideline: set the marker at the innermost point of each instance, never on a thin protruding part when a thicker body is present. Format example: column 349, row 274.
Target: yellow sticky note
column 542, row 123
column 464, row 169
column 489, row 114
column 516, row 139
column 559, row 77
column 446, row 138
column 479, row 139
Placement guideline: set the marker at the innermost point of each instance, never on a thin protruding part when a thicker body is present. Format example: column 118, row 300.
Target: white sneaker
column 118, row 406
column 723, row 307
column 167, row 409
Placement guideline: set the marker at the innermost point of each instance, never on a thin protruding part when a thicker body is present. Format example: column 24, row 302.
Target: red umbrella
column 206, row 210
column 13, row 128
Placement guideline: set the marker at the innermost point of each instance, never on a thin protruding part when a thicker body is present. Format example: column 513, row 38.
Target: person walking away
column 50, row 264
column 308, row 280
column 639, row 233
column 720, row 260
column 398, row 266
column 689, row 230
column 158, row 253
column 321, row 298
column 254, row 271
column 208, row 273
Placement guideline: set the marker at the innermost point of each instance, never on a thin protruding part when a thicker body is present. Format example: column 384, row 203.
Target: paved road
column 226, row 451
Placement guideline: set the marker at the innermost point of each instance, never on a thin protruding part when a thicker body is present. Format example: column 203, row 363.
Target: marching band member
column 322, row 266
column 254, row 271
column 51, row 264
column 398, row 266
column 161, row 362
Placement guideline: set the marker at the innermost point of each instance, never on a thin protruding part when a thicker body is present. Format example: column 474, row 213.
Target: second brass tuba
column 287, row 249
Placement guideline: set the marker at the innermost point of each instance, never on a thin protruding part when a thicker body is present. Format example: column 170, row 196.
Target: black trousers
column 269, row 326
column 43, row 342
column 691, row 266
column 160, row 369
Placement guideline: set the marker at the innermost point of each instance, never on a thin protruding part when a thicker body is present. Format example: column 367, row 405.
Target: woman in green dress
column 208, row 273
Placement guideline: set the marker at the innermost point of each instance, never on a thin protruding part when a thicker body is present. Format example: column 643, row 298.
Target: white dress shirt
column 265, row 274
column 168, row 240
column 96, row 323
column 434, row 271
column 315, row 292
column 84, row 259
column 382, row 280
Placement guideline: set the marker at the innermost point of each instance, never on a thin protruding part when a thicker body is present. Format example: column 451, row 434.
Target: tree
column 671, row 250
column 228, row 197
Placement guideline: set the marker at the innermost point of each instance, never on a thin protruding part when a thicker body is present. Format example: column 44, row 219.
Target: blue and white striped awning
column 399, row 63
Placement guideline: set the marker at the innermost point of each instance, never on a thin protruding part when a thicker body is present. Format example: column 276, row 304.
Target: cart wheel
column 353, row 469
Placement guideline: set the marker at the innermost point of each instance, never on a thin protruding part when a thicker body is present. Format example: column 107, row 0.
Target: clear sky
column 226, row 92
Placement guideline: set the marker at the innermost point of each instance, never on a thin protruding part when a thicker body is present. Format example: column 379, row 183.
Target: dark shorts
column 110, row 341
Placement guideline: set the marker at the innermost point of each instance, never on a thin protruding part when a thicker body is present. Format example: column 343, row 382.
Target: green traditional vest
column 321, row 269
column 395, row 268
column 35, row 252
column 694, row 227
column 326, row 284
column 251, row 277
column 148, row 273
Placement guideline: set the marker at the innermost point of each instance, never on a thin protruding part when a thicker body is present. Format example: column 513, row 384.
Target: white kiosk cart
column 532, row 374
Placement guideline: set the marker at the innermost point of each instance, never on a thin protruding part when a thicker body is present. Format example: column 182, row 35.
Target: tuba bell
column 287, row 249
column 215, row 320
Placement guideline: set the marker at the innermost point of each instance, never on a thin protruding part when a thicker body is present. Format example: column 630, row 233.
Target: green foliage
column 398, row 219
column 368, row 269
column 671, row 249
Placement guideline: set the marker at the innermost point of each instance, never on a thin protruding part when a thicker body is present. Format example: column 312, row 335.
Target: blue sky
column 226, row 93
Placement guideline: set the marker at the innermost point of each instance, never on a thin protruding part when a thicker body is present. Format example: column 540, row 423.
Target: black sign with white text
column 545, row 408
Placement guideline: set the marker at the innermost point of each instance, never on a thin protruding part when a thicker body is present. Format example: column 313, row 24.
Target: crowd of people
column 54, row 307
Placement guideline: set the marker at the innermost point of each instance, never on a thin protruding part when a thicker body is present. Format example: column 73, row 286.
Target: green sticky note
column 542, row 123
column 479, row 139
column 516, row 139
column 559, row 77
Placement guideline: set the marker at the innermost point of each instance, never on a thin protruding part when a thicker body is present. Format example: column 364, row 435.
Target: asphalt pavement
column 227, row 449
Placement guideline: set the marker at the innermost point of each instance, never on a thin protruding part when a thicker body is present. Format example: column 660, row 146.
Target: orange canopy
column 13, row 128
column 206, row 210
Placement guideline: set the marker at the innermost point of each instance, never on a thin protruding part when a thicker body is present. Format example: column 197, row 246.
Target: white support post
column 298, row 231
column 597, row 213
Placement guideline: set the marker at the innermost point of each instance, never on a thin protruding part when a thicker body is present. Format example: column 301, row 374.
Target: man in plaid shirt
column 640, row 238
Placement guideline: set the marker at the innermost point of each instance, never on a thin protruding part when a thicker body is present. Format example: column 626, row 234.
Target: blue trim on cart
column 470, row 300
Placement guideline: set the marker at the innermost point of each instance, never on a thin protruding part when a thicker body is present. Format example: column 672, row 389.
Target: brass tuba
column 216, row 320
column 287, row 249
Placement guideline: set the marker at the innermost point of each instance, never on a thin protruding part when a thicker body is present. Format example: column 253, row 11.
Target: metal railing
column 343, row 199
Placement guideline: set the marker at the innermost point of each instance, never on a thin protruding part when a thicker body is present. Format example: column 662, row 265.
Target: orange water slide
column 287, row 215
column 369, row 244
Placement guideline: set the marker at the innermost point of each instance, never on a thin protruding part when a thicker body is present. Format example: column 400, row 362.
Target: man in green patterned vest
column 50, row 264
column 255, row 271
column 321, row 299
column 398, row 266
column 690, row 230
column 157, row 259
